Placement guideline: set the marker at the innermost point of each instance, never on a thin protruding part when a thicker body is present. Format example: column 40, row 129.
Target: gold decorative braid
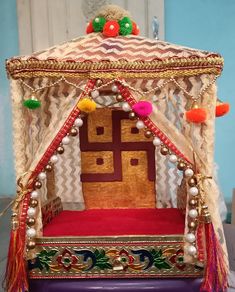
column 113, row 75
column 200, row 181
column 17, row 68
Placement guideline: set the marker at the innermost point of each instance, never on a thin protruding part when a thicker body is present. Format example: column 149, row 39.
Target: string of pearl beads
column 188, row 174
column 35, row 194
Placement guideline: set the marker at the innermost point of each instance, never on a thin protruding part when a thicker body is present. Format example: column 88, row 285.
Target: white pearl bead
column 193, row 213
column 78, row 122
column 190, row 237
column 66, row 140
column 95, row 93
column 126, row 107
column 189, row 172
column 111, row 27
column 42, row 175
column 127, row 25
column 191, row 250
column 54, row 159
column 156, row 141
column 173, row 158
column 31, row 232
column 193, row 191
column 34, row 195
column 97, row 19
column 31, row 212
column 140, row 125
column 114, row 88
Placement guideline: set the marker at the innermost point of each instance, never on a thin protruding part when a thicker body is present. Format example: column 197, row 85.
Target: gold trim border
column 110, row 239
column 172, row 67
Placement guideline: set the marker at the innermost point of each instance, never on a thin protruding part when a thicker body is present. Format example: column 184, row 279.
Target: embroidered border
column 111, row 257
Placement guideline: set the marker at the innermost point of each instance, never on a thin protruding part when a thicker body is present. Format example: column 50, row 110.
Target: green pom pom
column 32, row 103
column 98, row 24
column 125, row 26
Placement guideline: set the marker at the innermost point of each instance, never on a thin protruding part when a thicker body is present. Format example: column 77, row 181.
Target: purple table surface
column 124, row 285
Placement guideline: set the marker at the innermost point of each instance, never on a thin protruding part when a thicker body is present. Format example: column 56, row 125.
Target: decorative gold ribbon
column 200, row 181
column 203, row 207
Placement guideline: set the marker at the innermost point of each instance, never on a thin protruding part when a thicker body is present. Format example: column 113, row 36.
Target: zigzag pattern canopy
column 95, row 55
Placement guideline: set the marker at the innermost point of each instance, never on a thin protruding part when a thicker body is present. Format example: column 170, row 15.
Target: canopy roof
column 96, row 56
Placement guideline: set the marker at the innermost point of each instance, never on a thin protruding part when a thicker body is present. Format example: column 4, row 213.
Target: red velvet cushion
column 116, row 222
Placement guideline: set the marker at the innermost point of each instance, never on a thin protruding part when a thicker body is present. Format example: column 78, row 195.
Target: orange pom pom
column 135, row 28
column 89, row 28
column 111, row 28
column 221, row 109
column 196, row 115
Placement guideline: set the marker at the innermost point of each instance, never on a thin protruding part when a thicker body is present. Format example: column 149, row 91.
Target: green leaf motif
column 102, row 260
column 46, row 266
column 99, row 254
column 43, row 260
column 45, row 255
column 162, row 265
column 159, row 261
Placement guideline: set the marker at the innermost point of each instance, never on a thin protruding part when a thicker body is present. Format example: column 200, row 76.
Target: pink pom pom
column 142, row 108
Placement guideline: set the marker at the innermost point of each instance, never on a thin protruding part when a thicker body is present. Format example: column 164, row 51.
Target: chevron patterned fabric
column 96, row 48
column 95, row 53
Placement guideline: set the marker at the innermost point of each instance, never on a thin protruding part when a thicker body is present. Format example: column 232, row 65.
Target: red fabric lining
column 105, row 222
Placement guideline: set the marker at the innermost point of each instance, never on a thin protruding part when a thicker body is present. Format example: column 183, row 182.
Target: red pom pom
column 111, row 28
column 135, row 28
column 222, row 109
column 196, row 115
column 89, row 28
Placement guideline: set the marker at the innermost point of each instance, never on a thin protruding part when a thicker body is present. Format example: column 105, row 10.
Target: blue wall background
column 210, row 25
column 202, row 24
column 8, row 48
